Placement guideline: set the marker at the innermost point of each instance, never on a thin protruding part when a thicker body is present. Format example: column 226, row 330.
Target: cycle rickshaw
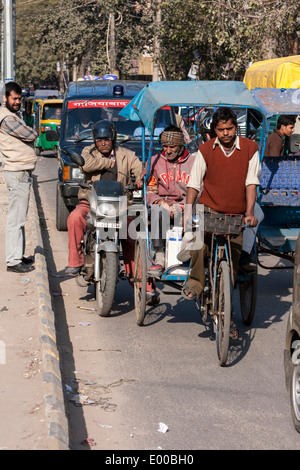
column 216, row 300
column 278, row 193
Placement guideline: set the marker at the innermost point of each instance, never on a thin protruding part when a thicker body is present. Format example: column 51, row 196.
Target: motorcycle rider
column 103, row 160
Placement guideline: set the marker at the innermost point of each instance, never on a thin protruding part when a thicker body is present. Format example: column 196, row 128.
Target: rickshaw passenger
column 167, row 187
column 275, row 142
column 229, row 167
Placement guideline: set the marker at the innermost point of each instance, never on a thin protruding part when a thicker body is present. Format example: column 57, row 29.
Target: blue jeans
column 18, row 184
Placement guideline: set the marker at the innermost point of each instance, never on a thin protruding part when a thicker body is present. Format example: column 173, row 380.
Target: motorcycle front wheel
column 105, row 288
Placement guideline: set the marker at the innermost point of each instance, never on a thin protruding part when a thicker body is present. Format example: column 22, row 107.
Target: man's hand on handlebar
column 251, row 220
column 139, row 184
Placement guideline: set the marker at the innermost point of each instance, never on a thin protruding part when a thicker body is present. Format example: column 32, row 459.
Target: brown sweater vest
column 224, row 181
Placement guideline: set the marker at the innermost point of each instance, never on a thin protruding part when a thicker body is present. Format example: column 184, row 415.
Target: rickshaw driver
column 246, row 262
column 57, row 114
column 103, row 160
column 167, row 187
column 229, row 167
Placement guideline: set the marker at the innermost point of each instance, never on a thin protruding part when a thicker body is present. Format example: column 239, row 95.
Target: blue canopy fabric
column 186, row 93
column 273, row 101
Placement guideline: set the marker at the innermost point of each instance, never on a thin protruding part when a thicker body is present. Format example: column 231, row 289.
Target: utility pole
column 112, row 43
column 156, row 74
column 8, row 49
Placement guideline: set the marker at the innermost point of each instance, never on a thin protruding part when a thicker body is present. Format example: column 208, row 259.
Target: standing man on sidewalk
column 19, row 159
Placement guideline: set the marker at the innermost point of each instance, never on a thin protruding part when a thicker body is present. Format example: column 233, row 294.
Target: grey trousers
column 18, row 184
column 196, row 280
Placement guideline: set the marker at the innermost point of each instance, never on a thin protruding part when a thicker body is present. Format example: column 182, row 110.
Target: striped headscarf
column 173, row 137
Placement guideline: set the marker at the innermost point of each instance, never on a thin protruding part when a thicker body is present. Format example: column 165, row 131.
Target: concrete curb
column 58, row 435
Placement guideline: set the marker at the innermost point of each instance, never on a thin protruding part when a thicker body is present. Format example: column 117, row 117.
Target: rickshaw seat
column 280, row 181
column 279, row 199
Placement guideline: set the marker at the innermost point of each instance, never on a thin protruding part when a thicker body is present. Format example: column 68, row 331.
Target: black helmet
column 104, row 129
column 205, row 127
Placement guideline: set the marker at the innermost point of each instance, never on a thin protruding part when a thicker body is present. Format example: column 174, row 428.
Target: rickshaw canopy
column 157, row 95
column 273, row 101
column 282, row 72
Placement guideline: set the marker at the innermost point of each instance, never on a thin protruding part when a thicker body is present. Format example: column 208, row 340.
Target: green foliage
column 227, row 34
column 35, row 62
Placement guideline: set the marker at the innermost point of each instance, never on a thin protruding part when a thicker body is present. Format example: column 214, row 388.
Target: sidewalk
column 31, row 391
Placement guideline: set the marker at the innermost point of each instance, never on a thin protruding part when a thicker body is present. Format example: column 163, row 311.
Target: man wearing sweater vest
column 19, row 159
column 229, row 168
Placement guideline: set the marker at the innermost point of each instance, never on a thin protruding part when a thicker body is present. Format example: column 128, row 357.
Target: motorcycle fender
column 108, row 246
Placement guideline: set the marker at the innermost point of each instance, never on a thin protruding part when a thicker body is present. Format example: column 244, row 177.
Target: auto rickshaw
column 28, row 110
column 48, row 117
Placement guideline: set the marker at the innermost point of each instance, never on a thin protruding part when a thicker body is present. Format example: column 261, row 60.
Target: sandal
column 187, row 293
column 234, row 332
column 155, row 270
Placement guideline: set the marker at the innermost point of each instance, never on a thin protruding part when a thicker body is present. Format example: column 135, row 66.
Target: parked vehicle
column 48, row 117
column 292, row 346
column 85, row 103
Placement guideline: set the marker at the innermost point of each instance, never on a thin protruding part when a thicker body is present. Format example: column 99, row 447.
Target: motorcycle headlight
column 108, row 209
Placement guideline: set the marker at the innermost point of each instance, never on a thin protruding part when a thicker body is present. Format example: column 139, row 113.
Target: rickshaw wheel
column 224, row 312
column 140, row 280
column 248, row 297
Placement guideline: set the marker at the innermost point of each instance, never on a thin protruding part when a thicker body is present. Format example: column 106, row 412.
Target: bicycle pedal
column 122, row 275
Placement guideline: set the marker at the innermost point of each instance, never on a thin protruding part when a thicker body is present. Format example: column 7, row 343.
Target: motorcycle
column 101, row 244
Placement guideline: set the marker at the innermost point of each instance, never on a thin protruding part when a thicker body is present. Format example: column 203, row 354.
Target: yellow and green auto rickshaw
column 28, row 110
column 48, row 117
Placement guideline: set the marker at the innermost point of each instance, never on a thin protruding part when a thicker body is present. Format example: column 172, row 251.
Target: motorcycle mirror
column 77, row 159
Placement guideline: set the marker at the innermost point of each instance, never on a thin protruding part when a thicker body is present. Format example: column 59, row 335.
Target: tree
column 225, row 32
column 35, row 62
column 80, row 31
column 227, row 35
